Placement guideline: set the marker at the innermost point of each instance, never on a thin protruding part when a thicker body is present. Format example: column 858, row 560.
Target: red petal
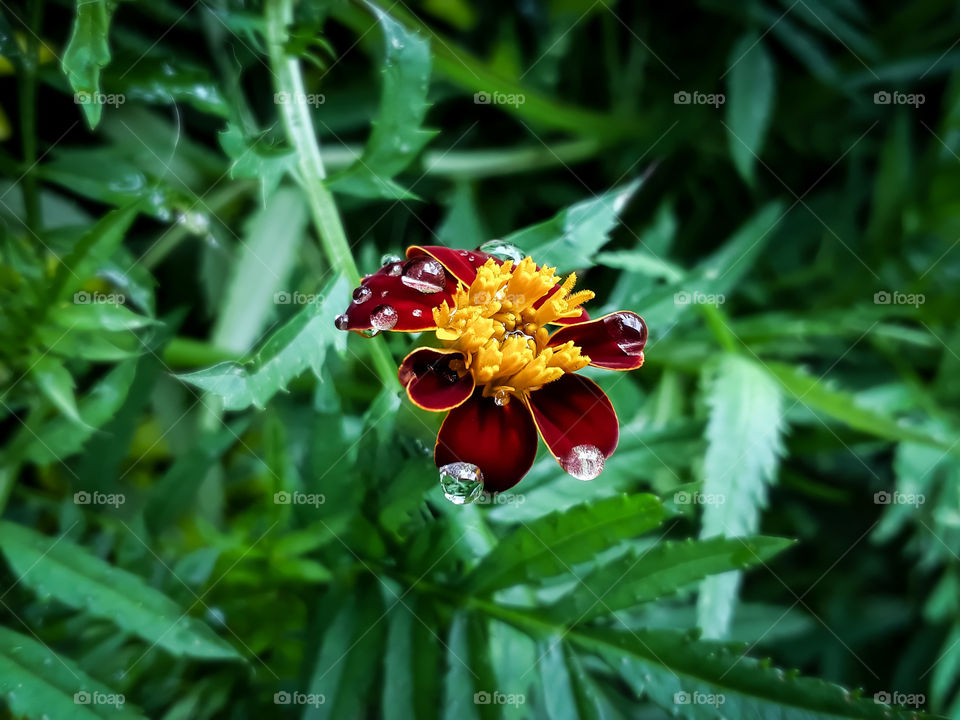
column 430, row 382
column 573, row 412
column 613, row 341
column 500, row 440
column 389, row 290
column 462, row 263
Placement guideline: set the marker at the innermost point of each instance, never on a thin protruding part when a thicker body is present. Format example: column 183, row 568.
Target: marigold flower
column 512, row 337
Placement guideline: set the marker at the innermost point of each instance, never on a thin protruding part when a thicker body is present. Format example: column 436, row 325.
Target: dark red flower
column 502, row 376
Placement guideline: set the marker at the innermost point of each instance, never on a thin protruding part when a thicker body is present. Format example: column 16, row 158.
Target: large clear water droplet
column 628, row 331
column 384, row 317
column 502, row 250
column 425, row 275
column 462, row 482
column 341, row 322
column 362, row 294
column 584, row 462
column 389, row 259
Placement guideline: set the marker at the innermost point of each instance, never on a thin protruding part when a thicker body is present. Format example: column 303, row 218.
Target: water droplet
column 370, row 332
column 628, row 331
column 462, row 482
column 362, row 294
column 425, row 275
column 390, row 259
column 502, row 250
column 584, row 462
column 197, row 223
column 501, row 396
column 417, row 312
column 342, row 322
column 384, row 317
column 164, row 215
column 395, row 269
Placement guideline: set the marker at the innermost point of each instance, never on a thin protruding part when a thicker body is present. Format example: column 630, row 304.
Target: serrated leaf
column 35, row 682
column 744, row 444
column 749, row 107
column 397, row 135
column 56, row 384
column 571, row 239
column 55, row 567
column 87, row 53
column 632, row 579
column 301, row 343
column 256, row 158
column 551, row 544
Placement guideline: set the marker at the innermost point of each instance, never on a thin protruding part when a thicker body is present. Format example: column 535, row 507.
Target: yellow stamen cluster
column 493, row 322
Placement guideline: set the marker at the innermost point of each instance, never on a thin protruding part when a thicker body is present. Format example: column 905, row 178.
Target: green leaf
column 35, row 682
column 301, row 343
column 56, row 383
column 87, row 53
column 818, row 395
column 58, row 568
column 256, row 158
column 751, row 89
column 571, row 239
column 260, row 275
column 397, row 135
column 551, row 544
column 633, row 578
column 744, row 444
column 60, row 438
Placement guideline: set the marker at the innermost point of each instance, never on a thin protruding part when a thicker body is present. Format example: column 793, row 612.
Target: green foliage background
column 773, row 186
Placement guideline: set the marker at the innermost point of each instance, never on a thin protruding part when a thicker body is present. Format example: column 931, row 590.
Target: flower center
column 499, row 325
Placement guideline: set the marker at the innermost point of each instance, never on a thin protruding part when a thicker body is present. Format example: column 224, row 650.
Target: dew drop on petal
column 462, row 482
column 395, row 269
column 417, row 312
column 384, row 317
column 628, row 331
column 342, row 322
column 584, row 462
column 502, row 250
column 425, row 275
column 362, row 294
column 389, row 259
column 501, row 396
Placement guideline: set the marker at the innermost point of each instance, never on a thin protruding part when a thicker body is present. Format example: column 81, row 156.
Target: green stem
column 299, row 127
column 28, row 119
